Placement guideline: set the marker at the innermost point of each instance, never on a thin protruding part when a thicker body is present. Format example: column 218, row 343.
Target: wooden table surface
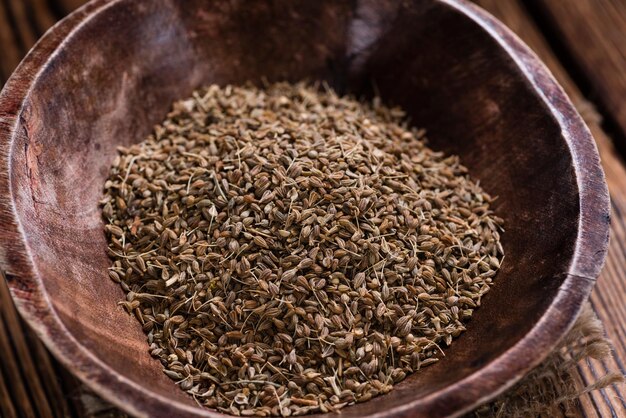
column 583, row 42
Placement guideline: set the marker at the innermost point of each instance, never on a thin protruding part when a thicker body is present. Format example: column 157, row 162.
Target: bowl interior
column 117, row 75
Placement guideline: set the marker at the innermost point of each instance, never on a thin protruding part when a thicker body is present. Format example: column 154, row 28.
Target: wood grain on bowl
column 107, row 73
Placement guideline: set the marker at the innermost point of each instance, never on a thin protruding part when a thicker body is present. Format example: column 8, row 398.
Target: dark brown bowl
column 107, row 73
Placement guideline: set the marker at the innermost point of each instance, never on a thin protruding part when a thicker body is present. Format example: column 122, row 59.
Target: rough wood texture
column 610, row 292
column 521, row 137
column 593, row 33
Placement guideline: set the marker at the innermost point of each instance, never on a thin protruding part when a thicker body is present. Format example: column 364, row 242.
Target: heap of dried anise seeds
column 290, row 251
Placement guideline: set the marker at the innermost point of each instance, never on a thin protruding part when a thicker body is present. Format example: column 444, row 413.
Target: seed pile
column 290, row 251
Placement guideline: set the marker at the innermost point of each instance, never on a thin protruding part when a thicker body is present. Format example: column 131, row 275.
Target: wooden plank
column 586, row 407
column 11, row 51
column 610, row 292
column 43, row 16
column 22, row 357
column 10, row 371
column 48, row 373
column 594, row 34
column 19, row 12
column 68, row 6
column 6, row 403
column 22, row 22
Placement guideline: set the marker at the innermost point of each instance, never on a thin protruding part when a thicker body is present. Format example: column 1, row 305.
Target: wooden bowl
column 107, row 73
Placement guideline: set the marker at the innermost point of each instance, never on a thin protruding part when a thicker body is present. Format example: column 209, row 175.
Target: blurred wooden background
column 583, row 42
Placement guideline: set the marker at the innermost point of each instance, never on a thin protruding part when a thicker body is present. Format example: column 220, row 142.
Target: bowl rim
column 33, row 302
